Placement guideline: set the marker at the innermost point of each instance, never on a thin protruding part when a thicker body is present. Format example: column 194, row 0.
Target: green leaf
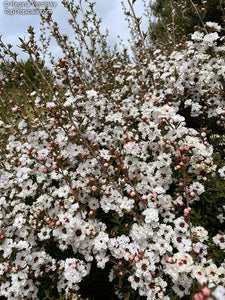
column 145, row 34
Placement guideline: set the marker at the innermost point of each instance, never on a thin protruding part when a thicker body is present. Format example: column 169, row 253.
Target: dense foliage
column 112, row 182
column 176, row 19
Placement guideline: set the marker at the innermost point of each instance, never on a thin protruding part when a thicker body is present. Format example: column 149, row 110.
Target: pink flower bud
column 186, row 212
column 131, row 257
column 6, row 268
column 206, row 291
column 45, row 170
column 170, row 260
column 14, row 109
column 16, row 269
column 198, row 296
column 73, row 266
column 181, row 148
column 136, row 259
column 94, row 188
column 84, row 155
column 133, row 194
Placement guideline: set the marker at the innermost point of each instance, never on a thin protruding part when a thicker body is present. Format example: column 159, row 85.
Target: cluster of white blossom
column 112, row 177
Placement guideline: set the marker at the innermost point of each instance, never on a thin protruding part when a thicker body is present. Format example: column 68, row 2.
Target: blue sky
column 14, row 26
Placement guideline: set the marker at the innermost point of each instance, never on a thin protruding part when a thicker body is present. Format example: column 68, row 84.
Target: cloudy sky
column 13, row 25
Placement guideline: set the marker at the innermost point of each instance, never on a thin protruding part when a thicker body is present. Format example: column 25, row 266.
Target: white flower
column 151, row 215
column 213, row 25
column 197, row 36
column 19, row 221
column 22, row 125
column 105, row 154
column 91, row 93
column 212, row 273
column 101, row 241
column 44, row 234
column 222, row 172
column 101, row 259
column 127, row 204
column 201, row 233
column 210, row 38
column 63, row 191
column 183, row 263
column 219, row 293
column 7, row 247
column 197, row 187
column 33, row 93
column 23, row 245
column 75, row 270
column 181, row 225
column 198, row 272
column 219, row 240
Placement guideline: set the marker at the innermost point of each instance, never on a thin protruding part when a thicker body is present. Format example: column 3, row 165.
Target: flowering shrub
column 126, row 170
